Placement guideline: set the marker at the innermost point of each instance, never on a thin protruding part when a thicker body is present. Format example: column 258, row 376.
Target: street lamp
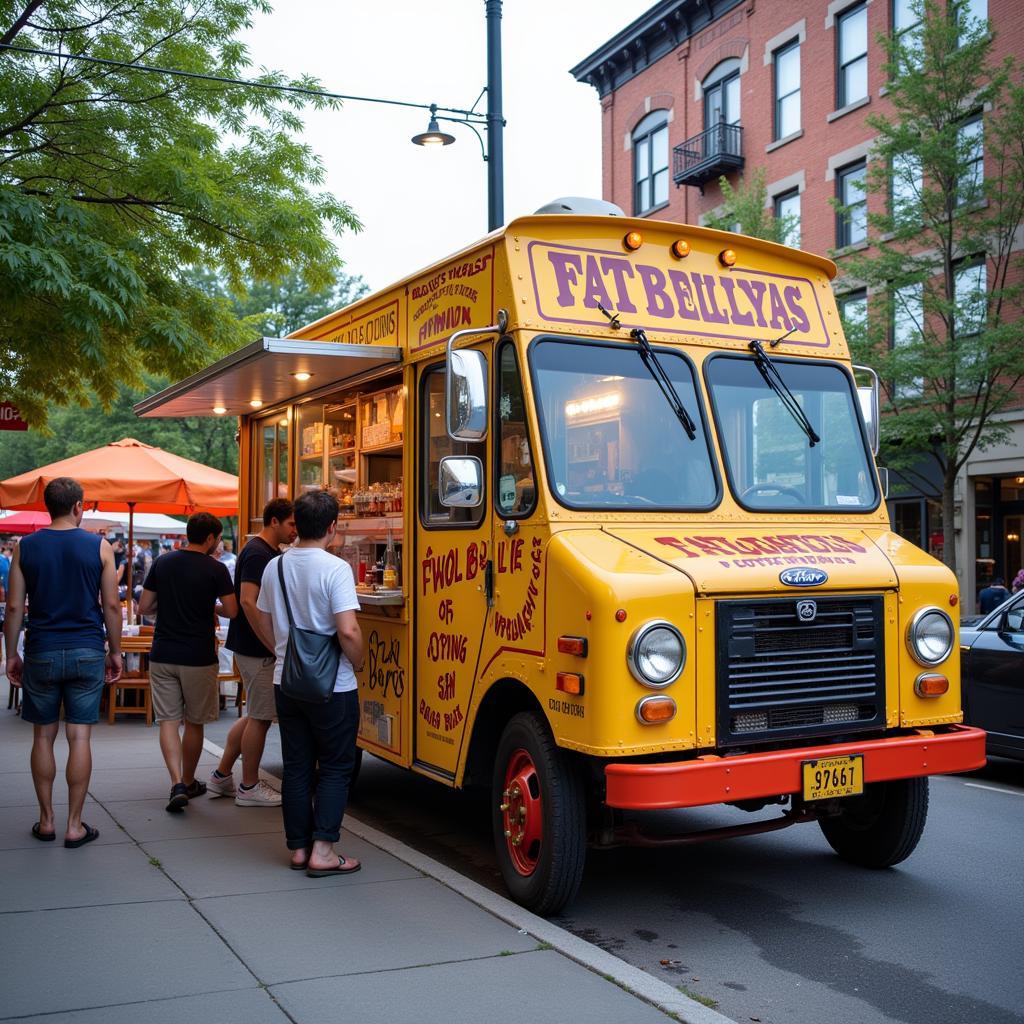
column 492, row 122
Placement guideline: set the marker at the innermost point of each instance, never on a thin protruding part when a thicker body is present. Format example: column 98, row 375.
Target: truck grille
column 781, row 675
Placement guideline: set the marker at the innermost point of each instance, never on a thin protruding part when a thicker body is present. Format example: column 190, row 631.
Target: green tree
column 942, row 270
column 275, row 309
column 746, row 210
column 74, row 429
column 112, row 180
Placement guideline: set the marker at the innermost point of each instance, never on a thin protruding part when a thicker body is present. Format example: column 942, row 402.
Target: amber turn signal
column 652, row 710
column 727, row 257
column 569, row 682
column 680, row 248
column 573, row 645
column 931, row 684
column 633, row 240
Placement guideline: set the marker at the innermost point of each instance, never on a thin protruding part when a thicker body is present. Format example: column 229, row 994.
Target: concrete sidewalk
column 169, row 917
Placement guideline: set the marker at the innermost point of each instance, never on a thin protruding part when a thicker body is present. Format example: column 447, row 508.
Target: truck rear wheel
column 539, row 816
column 881, row 827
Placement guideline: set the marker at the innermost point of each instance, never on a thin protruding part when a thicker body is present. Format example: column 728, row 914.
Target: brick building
column 696, row 89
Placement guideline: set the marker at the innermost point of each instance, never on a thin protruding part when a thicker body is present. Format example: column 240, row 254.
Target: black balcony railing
column 715, row 151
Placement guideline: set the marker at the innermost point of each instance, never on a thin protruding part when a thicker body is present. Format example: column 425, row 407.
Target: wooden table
column 135, row 682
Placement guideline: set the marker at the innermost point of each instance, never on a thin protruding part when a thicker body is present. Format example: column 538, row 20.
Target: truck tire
column 539, row 816
column 883, row 826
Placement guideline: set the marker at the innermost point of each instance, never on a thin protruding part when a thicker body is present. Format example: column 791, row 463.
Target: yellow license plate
column 831, row 777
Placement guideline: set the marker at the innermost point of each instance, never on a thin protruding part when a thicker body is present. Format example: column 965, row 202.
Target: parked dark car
column 992, row 666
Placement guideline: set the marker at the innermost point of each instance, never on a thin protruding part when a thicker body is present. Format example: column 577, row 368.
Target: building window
column 905, row 187
column 969, row 13
column 908, row 332
column 906, row 28
column 787, row 208
column 853, row 55
column 852, row 226
column 970, row 293
column 722, row 94
column 970, row 142
column 787, row 89
column 853, row 311
column 650, row 163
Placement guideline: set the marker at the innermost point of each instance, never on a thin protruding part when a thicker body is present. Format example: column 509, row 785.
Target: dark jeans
column 72, row 676
column 316, row 736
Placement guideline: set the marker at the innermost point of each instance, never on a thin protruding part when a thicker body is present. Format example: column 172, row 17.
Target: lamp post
column 492, row 122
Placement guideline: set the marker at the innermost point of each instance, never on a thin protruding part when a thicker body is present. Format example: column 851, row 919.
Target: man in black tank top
column 68, row 577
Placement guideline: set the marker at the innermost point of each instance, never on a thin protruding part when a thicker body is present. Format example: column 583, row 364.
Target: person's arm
column 15, row 617
column 250, row 594
column 147, row 603
column 111, row 602
column 227, row 603
column 351, row 638
column 265, row 630
column 227, row 606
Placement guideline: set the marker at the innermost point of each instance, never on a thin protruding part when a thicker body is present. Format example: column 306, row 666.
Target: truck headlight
column 930, row 636
column 656, row 653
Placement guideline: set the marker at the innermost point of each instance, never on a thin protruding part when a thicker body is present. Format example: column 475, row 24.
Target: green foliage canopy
column 112, row 181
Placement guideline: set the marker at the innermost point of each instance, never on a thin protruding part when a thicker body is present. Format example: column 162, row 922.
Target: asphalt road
column 775, row 928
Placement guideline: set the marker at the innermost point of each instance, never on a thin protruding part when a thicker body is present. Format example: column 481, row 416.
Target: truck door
column 452, row 551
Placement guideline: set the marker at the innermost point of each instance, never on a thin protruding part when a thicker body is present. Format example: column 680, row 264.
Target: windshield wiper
column 662, row 379
column 774, row 380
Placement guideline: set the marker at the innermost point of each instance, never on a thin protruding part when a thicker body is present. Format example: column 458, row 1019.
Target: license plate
column 831, row 777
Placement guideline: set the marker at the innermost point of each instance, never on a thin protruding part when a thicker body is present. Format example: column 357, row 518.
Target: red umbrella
column 24, row 522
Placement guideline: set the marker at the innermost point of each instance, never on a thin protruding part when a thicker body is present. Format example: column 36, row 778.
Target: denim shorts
column 73, row 676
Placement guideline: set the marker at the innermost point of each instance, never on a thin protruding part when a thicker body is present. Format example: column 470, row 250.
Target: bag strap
column 284, row 591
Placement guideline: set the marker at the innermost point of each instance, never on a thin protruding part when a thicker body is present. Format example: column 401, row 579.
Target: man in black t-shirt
column 255, row 659
column 186, row 590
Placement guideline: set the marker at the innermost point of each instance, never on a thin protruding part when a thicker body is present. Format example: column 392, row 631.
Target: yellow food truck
column 607, row 487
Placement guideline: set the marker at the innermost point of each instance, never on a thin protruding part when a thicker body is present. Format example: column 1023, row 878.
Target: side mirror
column 460, row 481
column 868, row 398
column 466, row 395
column 883, row 479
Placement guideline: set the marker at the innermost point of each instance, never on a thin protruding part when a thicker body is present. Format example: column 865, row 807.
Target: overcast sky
column 419, row 204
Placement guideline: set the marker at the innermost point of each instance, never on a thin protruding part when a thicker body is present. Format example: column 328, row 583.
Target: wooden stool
column 139, row 685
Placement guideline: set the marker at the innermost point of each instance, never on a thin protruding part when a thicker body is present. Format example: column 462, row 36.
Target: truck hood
column 744, row 560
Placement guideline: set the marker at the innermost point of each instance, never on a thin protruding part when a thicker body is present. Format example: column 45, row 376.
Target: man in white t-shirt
column 322, row 595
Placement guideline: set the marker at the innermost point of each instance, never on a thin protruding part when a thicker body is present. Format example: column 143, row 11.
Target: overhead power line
column 470, row 116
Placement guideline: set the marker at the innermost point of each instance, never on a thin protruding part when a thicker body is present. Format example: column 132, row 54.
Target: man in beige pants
column 254, row 655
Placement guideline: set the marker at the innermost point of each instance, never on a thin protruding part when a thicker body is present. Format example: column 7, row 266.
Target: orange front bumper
column 716, row 780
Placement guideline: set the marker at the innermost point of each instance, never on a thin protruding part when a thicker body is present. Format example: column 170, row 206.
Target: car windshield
column 611, row 438
column 769, row 460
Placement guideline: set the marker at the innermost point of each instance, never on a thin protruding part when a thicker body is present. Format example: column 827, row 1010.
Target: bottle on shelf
column 389, row 579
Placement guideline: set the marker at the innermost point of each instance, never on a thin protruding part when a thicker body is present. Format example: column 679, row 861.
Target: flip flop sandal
column 90, row 834
column 43, row 837
column 341, row 869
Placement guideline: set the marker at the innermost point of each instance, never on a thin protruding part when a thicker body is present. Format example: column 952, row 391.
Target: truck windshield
column 767, row 457
column 611, row 439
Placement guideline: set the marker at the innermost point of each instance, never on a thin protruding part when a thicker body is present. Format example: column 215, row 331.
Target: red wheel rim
column 522, row 812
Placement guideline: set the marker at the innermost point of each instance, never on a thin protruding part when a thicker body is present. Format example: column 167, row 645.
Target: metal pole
column 495, row 122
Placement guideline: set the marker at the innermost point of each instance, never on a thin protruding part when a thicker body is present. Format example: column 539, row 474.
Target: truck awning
column 265, row 372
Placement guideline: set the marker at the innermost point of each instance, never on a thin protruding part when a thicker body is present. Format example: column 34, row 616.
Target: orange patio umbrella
column 129, row 476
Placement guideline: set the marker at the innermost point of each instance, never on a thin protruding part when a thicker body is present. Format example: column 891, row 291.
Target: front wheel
column 539, row 816
column 882, row 826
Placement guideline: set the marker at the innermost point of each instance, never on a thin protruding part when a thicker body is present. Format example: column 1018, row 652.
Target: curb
column 632, row 979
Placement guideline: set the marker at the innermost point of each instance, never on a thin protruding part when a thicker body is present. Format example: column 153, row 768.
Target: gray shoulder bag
column 310, row 666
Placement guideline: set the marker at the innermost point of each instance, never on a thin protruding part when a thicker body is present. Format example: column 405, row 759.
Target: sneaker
column 179, row 797
column 217, row 786
column 195, row 788
column 261, row 795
